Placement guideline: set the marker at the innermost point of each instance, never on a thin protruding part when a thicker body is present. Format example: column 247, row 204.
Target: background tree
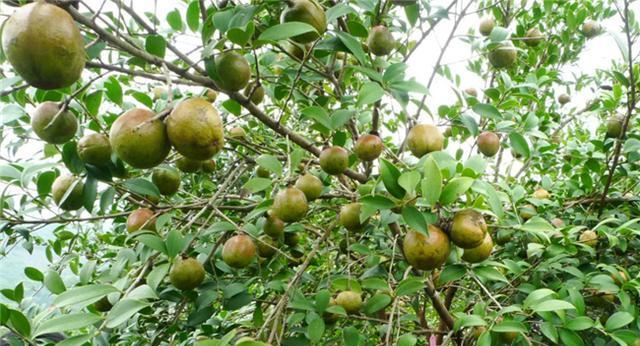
column 283, row 180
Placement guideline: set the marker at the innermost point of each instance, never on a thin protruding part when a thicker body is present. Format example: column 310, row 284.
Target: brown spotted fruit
column 290, row 205
column 65, row 199
column 426, row 252
column 186, row 274
column 52, row 127
column 139, row 139
column 239, row 251
column 195, row 129
column 95, row 149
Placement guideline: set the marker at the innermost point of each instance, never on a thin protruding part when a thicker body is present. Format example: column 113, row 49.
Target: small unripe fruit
column 187, row 165
column 541, row 194
column 533, row 37
column 614, row 126
column 423, row 139
column 557, row 223
column 471, row 92
column 487, row 23
column 195, row 129
column 103, row 305
column 209, row 166
column 95, row 149
column 563, row 99
column 61, row 185
column 480, row 252
column 350, row 301
column 52, row 127
column 237, row 133
column 139, row 139
column 350, row 217
column 290, row 205
column 488, row 143
column 166, row 179
column 142, row 218
column 160, row 93
column 267, row 246
column 263, row 172
column 368, row 147
column 380, row 41
column 589, row 238
column 590, row 28
column 468, row 229
column 257, row 95
column 273, row 226
column 309, row 12
column 291, row 239
column 233, row 70
column 334, row 160
column 503, row 56
column 186, row 274
column 310, row 185
column 527, row 211
column 211, row 95
column 620, row 278
column 238, row 251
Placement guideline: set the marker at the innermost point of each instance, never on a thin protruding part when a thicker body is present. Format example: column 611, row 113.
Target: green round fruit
column 368, row 147
column 267, row 246
column 380, row 41
column 480, row 252
column 263, row 172
column 273, row 226
column 195, row 129
column 138, row 139
column 487, row 23
column 488, row 143
column 61, row 185
column 527, row 211
column 95, row 149
column 426, row 252
column 503, row 56
column 503, row 236
column 589, row 238
column 238, row 251
column 614, row 126
column 424, row 139
column 237, row 133
column 52, row 129
column 591, row 28
column 258, row 94
column 334, row 160
column 209, row 166
column 167, row 180
column 305, row 11
column 508, row 337
column 310, row 185
column 468, row 229
column 350, row 301
column 350, row 217
column 186, row 274
column 211, row 95
column 290, row 205
column 295, row 50
column 541, row 194
column 291, row 239
column 563, row 99
column 44, row 45
column 187, row 165
column 142, row 218
column 233, row 70
column 533, row 37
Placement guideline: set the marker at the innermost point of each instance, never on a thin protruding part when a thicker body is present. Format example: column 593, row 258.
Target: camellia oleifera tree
column 264, row 172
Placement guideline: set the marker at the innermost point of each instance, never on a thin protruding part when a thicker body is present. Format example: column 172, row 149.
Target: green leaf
column 241, row 36
column 409, row 286
column 67, row 322
column 142, row 187
column 83, row 295
column 618, row 320
column 509, row 326
column 175, row 243
column 257, row 184
column 409, row 180
column 451, row 272
column 487, row 111
column 407, row 340
column 519, row 144
column 492, row 198
column 376, row 303
column 193, row 15
column 550, row 331
column 34, row 274
column 271, row 163
column 579, row 323
column 463, row 321
column 378, row 202
column 432, row 183
column 123, row 311
column 89, row 193
column 20, row 323
column 315, row 329
column 552, row 305
column 156, row 45
column 353, row 45
column 369, row 93
column 456, row 187
column 410, row 86
column 114, row 90
column 175, row 20
column 390, row 175
column 54, row 283
column 489, row 273
column 415, row 219
column 319, row 115
column 351, row 336
column 570, row 338
column 153, row 242
column 286, row 30
column 78, row 340
column 338, row 11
